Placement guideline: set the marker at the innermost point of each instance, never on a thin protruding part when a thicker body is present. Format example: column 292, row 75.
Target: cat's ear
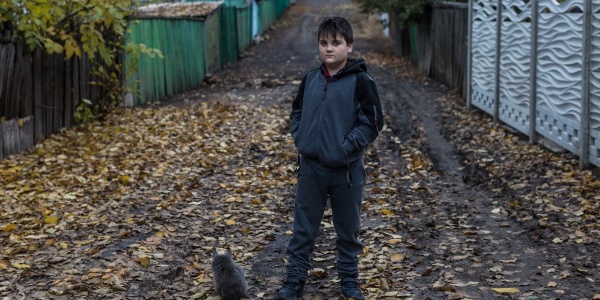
column 229, row 253
column 214, row 252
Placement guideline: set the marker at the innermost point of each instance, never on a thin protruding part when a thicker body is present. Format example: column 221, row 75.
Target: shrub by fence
column 39, row 93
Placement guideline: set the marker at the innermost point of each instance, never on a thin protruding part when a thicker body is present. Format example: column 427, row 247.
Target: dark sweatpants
column 315, row 183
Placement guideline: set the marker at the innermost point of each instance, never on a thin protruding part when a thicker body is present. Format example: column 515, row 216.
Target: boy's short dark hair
column 334, row 26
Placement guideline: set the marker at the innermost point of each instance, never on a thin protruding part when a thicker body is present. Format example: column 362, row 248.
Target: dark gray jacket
column 334, row 120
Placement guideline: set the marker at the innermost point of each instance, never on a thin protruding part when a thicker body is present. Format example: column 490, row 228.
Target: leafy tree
column 405, row 11
column 68, row 26
column 74, row 27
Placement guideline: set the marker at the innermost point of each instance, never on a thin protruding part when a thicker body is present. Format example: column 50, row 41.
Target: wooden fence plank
column 14, row 98
column 48, row 95
column 26, row 108
column 9, row 65
column 83, row 78
column 68, row 94
column 76, row 82
column 1, row 141
column 10, row 135
column 4, row 56
column 38, row 95
column 26, row 134
column 58, row 93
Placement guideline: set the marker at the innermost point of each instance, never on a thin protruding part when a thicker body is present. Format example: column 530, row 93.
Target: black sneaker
column 351, row 290
column 290, row 291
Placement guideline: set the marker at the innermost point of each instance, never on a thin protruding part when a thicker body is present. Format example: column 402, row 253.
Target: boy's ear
column 350, row 47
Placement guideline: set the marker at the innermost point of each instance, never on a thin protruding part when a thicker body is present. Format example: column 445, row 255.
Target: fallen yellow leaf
column 551, row 284
column 124, row 179
column 230, row 222
column 144, row 261
column 506, row 290
column 395, row 241
column 596, row 297
column 9, row 227
column 63, row 245
column 21, row 266
column 51, row 220
column 386, row 211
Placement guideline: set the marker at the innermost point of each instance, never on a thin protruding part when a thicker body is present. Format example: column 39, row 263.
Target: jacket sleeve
column 296, row 114
column 370, row 116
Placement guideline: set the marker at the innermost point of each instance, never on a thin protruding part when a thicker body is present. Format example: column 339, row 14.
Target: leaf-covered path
column 455, row 208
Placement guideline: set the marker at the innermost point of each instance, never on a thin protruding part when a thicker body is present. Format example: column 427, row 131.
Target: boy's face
column 334, row 51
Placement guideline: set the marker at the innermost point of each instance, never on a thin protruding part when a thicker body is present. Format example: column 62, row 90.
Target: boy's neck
column 332, row 70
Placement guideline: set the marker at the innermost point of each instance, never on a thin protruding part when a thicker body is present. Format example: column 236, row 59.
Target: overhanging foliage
column 406, row 12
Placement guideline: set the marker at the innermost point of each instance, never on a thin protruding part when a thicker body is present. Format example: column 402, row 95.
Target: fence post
column 584, row 132
column 469, row 56
column 533, row 71
column 497, row 79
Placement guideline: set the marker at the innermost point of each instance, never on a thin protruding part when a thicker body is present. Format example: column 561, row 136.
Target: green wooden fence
column 244, row 27
column 266, row 15
column 182, row 68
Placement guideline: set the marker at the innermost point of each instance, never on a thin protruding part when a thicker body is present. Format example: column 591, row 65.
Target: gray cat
column 230, row 282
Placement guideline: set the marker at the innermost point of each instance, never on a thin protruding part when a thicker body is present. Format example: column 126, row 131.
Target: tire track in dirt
column 472, row 246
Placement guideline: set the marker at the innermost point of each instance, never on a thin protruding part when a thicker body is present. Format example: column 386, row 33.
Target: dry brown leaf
column 383, row 285
column 4, row 264
column 397, row 257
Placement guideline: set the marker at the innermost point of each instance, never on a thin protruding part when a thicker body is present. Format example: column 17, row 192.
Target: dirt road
column 461, row 240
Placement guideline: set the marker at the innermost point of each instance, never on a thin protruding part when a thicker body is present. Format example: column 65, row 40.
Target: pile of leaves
column 115, row 207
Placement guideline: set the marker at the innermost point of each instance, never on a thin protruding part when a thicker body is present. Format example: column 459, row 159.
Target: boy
column 335, row 115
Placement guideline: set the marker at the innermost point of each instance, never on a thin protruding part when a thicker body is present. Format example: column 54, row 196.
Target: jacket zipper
column 376, row 117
